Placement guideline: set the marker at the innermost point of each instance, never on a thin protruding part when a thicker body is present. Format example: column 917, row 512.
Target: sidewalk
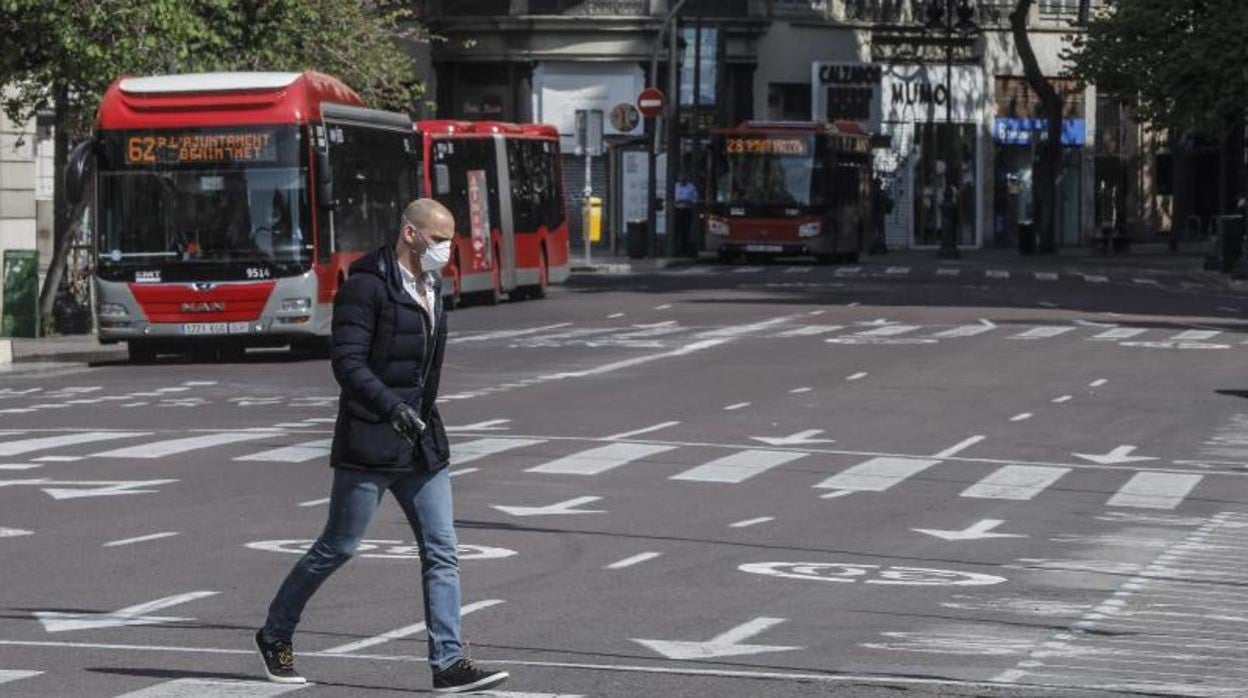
column 50, row 351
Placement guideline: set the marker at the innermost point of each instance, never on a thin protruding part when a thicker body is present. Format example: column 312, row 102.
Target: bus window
column 457, row 159
column 373, row 181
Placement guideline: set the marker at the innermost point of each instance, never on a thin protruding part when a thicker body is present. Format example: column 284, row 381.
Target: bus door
column 506, row 216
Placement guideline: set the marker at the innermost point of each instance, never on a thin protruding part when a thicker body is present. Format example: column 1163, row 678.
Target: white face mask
column 436, row 256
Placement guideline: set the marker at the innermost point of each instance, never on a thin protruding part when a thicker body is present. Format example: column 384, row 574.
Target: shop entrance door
column 945, row 171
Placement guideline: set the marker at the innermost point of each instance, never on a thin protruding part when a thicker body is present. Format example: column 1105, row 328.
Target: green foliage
column 1184, row 62
column 81, row 46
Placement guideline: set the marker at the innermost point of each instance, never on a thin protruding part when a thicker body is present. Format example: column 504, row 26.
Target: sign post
column 650, row 103
column 589, row 144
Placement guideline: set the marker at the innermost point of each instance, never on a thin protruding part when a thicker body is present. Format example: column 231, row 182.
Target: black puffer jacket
column 383, row 354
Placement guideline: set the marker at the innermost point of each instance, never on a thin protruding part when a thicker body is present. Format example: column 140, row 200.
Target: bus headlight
column 296, row 305
column 112, row 310
column 715, row 226
column 809, row 230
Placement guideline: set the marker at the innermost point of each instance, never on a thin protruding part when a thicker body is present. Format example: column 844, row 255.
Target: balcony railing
column 987, row 12
column 594, row 8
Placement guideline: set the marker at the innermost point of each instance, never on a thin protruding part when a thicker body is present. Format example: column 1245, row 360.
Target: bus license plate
column 764, row 248
column 199, row 328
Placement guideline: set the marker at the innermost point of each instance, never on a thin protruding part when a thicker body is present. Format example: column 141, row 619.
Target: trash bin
column 591, row 218
column 1231, row 237
column 21, row 294
column 635, row 238
column 1026, row 238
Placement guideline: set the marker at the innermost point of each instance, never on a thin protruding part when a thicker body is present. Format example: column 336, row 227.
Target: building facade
column 26, row 190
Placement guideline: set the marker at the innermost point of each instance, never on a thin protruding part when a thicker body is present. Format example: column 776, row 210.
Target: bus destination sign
column 197, row 148
column 766, row 146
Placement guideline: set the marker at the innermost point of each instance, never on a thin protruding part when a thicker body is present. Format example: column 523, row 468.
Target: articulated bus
column 503, row 184
column 229, row 206
column 789, row 189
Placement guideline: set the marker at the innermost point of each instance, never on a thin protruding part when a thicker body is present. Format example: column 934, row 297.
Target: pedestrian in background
column 389, row 336
column 686, row 206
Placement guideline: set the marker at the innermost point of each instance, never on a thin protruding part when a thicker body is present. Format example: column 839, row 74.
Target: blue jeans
column 426, row 500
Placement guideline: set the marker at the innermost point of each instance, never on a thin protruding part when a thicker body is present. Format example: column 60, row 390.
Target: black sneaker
column 279, row 660
column 463, row 676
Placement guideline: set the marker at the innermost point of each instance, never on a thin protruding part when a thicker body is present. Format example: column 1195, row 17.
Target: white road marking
column 292, row 425
column 816, row 312
column 463, row 471
column 1149, row 490
column 801, row 390
column 1042, row 332
column 736, row 406
column 13, row 448
column 1195, row 335
column 729, row 644
column 738, row 467
column 169, row 447
column 599, row 460
column 835, row 494
column 1015, row 482
column 59, row 459
column 1046, row 276
column 977, row 531
column 505, row 334
column 214, row 688
column 556, row 509
column 965, row 331
column 877, row 474
column 299, row 453
column 1095, row 278
column 7, row 675
column 314, row 502
column 809, row 331
column 847, row 270
column 1119, row 333
column 798, row 270
column 473, row 450
column 887, row 331
column 13, row 533
column 57, row 621
column 405, row 631
column 645, row 430
column 946, row 271
column 199, row 383
column 747, row 270
column 1061, row 399
column 752, row 522
column 1097, row 383
column 140, row 539
column 634, row 560
column 960, row 446
column 1021, row 417
column 488, row 425
column 857, row 376
column 897, row 270
column 19, row 466
column 1047, row 304
column 665, row 306
column 997, row 274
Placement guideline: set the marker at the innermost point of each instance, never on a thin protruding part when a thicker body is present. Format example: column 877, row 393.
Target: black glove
column 407, row 422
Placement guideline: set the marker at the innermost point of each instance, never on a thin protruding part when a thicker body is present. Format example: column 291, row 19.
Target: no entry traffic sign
column 650, row 102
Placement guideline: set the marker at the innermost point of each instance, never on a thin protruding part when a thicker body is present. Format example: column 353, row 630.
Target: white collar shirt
column 421, row 288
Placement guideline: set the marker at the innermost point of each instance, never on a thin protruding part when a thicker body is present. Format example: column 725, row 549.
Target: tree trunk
column 1044, row 187
column 61, row 235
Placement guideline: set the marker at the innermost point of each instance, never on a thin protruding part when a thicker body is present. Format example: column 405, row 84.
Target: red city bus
column 228, row 206
column 503, row 184
column 789, row 188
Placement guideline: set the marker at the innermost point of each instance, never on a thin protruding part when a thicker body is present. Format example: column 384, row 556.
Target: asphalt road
column 779, row 480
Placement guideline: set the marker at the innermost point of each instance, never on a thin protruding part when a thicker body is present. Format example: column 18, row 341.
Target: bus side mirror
column 324, row 181
column 77, row 172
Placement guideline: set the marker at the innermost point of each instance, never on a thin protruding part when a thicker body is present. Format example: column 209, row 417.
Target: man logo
column 202, row 285
column 203, row 307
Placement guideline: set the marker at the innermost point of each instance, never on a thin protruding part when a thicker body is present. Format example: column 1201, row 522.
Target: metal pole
column 653, row 130
column 698, row 183
column 673, row 136
column 586, row 194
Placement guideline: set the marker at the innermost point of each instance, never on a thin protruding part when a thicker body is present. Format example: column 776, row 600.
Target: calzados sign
column 187, row 148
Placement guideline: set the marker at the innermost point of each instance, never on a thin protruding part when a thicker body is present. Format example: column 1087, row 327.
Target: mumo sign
column 875, row 93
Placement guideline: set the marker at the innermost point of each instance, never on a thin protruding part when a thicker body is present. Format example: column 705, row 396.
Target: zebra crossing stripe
column 1095, row 278
column 848, row 270
column 1046, row 276
column 599, row 460
column 299, row 453
column 877, row 474
column 747, row 270
column 1016, row 482
column 887, row 331
column 1120, row 333
column 738, row 467
column 1195, row 335
column 997, row 274
column 214, row 688
column 946, row 271
column 965, row 331
column 897, row 270
column 170, row 447
column 1042, row 332
column 505, row 334
column 798, row 270
column 13, row 448
column 7, row 675
column 480, row 448
column 1154, row 490
column 810, row 330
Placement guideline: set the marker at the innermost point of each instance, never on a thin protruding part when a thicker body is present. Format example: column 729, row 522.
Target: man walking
column 389, row 335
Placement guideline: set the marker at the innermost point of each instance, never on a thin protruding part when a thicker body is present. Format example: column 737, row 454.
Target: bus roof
column 835, row 127
column 440, row 127
column 219, row 99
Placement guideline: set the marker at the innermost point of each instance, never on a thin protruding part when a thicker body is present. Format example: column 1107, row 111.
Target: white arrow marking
column 1122, row 454
column 14, row 532
column 488, row 425
column 567, row 507
column 56, row 621
column 95, row 488
column 403, row 632
column 973, row 532
column 725, row 645
column 7, row 675
column 797, row 439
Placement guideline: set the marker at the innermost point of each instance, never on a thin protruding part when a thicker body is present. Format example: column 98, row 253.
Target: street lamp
column 953, row 20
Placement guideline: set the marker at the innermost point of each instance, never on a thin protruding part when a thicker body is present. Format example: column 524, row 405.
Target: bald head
column 424, row 222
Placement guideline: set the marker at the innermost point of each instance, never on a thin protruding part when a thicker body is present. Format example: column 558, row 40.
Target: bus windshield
column 211, row 199
column 767, row 170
